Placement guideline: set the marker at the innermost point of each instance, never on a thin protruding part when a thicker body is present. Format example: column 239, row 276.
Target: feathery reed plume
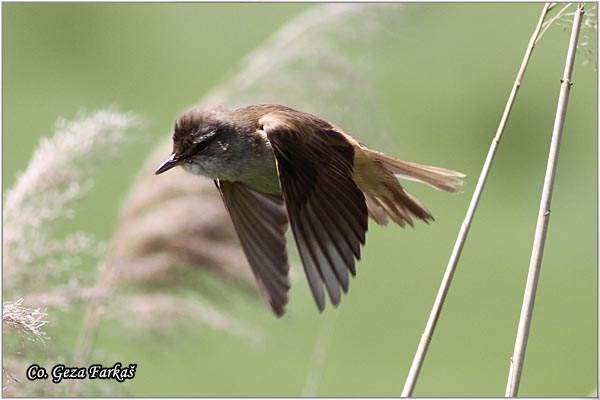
column 58, row 174
column 156, row 311
column 28, row 321
column 48, row 272
column 314, row 49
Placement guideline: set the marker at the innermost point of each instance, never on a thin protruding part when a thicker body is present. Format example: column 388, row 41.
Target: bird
column 276, row 167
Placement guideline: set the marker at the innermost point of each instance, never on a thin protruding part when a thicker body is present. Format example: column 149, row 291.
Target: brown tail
column 439, row 178
column 376, row 174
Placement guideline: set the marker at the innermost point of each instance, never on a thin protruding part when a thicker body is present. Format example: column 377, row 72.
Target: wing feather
column 346, row 247
column 261, row 222
column 326, row 209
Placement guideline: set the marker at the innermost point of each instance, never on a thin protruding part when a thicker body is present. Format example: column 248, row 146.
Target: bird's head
column 201, row 137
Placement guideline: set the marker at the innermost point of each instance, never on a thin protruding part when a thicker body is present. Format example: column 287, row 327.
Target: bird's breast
column 257, row 167
column 257, row 170
column 261, row 174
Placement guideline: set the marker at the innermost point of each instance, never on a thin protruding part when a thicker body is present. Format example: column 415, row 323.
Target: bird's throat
column 258, row 172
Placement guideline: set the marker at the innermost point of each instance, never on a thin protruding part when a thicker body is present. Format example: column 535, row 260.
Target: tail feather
column 438, row 178
column 384, row 195
column 376, row 210
column 398, row 204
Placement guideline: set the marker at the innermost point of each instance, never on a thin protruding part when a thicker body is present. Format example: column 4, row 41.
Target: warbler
column 275, row 166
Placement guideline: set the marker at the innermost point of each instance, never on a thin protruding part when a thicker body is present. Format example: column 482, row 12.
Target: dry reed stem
column 438, row 304
column 552, row 20
column 516, row 364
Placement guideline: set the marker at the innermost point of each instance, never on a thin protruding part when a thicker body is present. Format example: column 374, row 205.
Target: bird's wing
column 261, row 223
column 326, row 209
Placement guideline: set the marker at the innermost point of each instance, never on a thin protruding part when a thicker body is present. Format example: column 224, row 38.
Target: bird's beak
column 168, row 164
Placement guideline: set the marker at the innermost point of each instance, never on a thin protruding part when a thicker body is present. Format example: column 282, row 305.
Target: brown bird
column 273, row 164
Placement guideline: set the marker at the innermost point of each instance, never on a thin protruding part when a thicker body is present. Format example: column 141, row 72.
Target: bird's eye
column 195, row 148
column 201, row 146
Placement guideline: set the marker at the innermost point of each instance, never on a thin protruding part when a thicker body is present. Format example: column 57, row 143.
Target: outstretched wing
column 261, row 223
column 326, row 209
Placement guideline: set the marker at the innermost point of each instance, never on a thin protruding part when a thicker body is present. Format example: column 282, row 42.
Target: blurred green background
column 443, row 85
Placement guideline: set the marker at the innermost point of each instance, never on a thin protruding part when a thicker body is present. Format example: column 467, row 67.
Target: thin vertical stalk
column 93, row 319
column 419, row 358
column 516, row 362
column 319, row 355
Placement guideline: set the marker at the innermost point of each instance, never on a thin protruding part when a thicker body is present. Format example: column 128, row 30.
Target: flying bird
column 275, row 166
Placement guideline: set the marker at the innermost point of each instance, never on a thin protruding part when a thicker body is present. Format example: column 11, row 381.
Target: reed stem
column 516, row 362
column 419, row 358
